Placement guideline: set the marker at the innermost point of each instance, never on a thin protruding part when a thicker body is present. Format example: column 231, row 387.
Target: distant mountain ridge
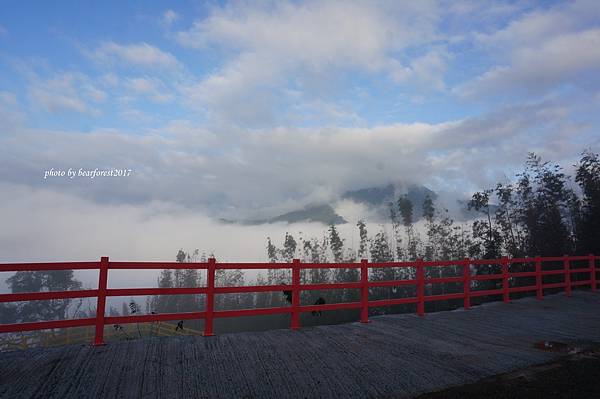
column 315, row 213
column 372, row 195
column 377, row 198
column 381, row 197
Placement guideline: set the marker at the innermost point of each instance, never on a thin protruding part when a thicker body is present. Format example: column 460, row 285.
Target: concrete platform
column 393, row 356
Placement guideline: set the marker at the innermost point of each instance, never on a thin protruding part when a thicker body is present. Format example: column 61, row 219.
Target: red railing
column 209, row 314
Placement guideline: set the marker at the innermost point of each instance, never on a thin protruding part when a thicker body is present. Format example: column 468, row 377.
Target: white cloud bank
column 138, row 55
column 238, row 174
column 66, row 92
column 41, row 225
column 271, row 50
column 541, row 51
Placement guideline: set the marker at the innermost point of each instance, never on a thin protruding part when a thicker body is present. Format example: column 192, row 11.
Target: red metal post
column 567, row 264
column 101, row 302
column 539, row 291
column 593, row 272
column 364, row 291
column 467, row 283
column 295, row 325
column 420, row 288
column 210, row 297
column 505, row 293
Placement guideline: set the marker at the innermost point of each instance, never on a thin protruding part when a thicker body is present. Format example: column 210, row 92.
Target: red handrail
column 209, row 314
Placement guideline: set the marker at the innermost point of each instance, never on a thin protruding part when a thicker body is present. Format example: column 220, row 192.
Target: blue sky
column 246, row 109
column 50, row 41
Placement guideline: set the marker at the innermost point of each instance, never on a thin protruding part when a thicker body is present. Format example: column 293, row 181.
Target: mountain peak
column 377, row 198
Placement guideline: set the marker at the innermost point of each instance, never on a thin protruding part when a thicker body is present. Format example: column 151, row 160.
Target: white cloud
column 95, row 94
column 10, row 111
column 169, row 17
column 318, row 33
column 483, row 10
column 430, row 69
column 48, row 226
column 65, row 92
column 244, row 91
column 138, row 55
column 110, row 79
column 186, row 176
column 152, row 88
column 303, row 47
column 237, row 174
column 560, row 60
column 540, row 51
column 136, row 116
column 8, row 99
column 544, row 23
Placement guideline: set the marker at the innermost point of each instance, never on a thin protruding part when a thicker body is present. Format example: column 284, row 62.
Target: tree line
column 542, row 212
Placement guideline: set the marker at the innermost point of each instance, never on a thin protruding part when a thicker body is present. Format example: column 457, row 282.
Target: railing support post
column 420, row 288
column 505, row 291
column 364, row 291
column 593, row 272
column 210, row 297
column 567, row 264
column 101, row 302
column 539, row 289
column 467, row 283
column 295, row 324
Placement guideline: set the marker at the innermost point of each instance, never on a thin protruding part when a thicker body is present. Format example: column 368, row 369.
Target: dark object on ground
column 179, row 326
column 572, row 376
column 288, row 296
column 320, row 301
column 120, row 329
column 133, row 307
column 552, row 346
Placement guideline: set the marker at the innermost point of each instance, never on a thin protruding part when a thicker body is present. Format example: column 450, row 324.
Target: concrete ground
column 571, row 376
column 397, row 356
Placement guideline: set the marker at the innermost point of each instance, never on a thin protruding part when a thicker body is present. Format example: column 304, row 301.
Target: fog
column 46, row 226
